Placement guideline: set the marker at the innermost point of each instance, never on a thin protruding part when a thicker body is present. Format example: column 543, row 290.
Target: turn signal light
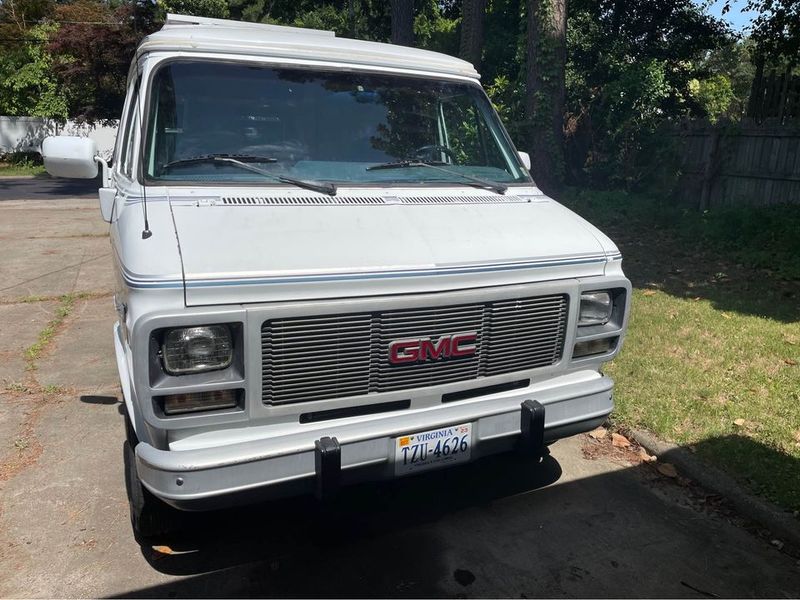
column 592, row 347
column 199, row 401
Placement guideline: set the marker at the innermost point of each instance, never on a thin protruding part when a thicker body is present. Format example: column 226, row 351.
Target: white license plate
column 431, row 449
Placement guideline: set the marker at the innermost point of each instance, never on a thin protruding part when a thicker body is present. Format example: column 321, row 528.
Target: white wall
column 25, row 134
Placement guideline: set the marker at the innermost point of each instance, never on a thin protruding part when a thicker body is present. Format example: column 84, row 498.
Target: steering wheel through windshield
column 429, row 152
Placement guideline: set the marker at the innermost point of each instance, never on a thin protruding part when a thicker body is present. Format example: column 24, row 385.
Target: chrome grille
column 336, row 356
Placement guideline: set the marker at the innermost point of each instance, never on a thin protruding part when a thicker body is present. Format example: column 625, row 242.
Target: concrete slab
column 53, row 266
column 500, row 527
column 68, row 219
column 82, row 355
column 20, row 325
column 51, row 248
column 65, row 521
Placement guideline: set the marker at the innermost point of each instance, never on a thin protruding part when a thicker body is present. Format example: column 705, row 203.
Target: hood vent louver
column 368, row 200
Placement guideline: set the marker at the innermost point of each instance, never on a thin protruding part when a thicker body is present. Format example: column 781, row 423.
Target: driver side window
column 127, row 145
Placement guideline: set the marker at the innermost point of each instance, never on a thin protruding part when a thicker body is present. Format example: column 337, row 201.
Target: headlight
column 596, row 308
column 196, row 349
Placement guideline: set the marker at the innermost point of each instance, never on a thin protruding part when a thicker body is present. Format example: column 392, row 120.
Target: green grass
column 712, row 357
column 726, row 383
column 35, row 350
column 17, row 170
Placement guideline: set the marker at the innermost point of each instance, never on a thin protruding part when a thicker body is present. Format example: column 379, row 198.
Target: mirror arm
column 106, row 170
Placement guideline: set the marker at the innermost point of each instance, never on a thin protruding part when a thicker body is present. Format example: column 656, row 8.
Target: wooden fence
column 742, row 164
column 774, row 95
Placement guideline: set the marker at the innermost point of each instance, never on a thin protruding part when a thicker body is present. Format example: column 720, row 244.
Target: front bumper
column 284, row 465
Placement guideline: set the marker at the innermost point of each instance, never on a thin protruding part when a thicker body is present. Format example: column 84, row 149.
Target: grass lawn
column 15, row 170
column 712, row 357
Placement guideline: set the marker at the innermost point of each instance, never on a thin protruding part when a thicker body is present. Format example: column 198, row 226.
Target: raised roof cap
column 186, row 33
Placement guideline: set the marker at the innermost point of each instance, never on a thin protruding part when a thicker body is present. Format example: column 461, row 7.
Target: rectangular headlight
column 596, row 308
column 197, row 349
column 199, row 401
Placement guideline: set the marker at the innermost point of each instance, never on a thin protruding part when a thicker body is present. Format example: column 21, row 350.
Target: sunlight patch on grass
column 692, row 373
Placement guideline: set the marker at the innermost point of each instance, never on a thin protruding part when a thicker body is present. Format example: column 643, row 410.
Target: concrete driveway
column 591, row 521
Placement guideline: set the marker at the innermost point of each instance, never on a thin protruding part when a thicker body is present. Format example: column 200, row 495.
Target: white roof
column 182, row 33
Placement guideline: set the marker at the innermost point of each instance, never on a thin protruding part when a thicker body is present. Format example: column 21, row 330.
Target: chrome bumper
column 286, row 465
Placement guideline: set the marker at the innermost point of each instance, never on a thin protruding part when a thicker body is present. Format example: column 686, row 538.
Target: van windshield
column 322, row 126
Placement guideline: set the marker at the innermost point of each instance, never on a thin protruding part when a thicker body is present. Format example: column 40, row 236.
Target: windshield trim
column 142, row 177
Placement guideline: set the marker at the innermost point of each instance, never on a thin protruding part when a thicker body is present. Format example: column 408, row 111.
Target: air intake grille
column 336, row 356
column 369, row 200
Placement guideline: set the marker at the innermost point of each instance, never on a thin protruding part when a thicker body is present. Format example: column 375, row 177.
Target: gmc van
column 333, row 266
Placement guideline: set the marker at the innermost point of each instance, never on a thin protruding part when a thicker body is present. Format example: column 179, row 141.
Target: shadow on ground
column 376, row 539
column 44, row 187
column 497, row 527
column 739, row 453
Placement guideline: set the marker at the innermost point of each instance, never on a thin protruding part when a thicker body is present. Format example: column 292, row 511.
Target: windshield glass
column 320, row 126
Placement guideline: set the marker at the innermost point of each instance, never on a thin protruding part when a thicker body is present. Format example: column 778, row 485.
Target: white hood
column 263, row 253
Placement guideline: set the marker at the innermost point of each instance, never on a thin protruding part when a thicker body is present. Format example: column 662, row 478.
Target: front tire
column 149, row 515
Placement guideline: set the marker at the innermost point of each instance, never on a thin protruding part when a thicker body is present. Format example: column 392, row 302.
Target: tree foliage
column 27, row 84
column 629, row 65
column 216, row 9
column 93, row 51
column 629, row 68
column 776, row 27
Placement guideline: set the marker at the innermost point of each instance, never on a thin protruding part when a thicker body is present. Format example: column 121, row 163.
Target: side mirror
column 526, row 159
column 67, row 156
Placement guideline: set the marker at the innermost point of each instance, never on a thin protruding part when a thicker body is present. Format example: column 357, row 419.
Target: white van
column 333, row 266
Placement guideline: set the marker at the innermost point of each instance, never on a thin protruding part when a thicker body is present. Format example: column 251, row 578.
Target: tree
column 471, row 46
column 27, row 85
column 629, row 70
column 544, row 106
column 402, row 22
column 724, row 77
column 92, row 53
column 23, row 14
column 216, row 9
column 776, row 28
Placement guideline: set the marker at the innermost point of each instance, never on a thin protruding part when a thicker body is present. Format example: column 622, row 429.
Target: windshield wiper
column 406, row 164
column 239, row 161
column 213, row 157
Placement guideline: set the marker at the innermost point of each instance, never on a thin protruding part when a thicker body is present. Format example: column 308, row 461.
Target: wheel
column 432, row 149
column 149, row 515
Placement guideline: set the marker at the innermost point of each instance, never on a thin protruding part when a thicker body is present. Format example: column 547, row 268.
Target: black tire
column 149, row 515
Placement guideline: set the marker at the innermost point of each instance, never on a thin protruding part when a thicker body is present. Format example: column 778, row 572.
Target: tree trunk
column 471, row 47
column 403, row 22
column 544, row 102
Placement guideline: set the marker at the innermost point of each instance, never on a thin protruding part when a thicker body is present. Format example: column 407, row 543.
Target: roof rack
column 184, row 20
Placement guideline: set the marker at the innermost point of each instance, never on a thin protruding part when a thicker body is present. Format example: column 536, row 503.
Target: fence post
column 709, row 171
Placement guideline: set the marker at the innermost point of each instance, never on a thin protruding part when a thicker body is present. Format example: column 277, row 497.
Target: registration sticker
column 432, row 449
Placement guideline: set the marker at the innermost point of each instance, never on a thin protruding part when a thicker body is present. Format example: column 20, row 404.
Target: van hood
column 247, row 249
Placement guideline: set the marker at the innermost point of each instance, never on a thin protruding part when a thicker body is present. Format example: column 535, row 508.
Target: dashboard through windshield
column 321, row 126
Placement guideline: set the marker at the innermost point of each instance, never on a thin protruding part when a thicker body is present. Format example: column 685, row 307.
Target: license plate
column 432, row 449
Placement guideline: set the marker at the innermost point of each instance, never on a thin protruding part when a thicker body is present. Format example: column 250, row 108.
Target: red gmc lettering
column 423, row 349
column 463, row 344
column 403, row 351
column 434, row 351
